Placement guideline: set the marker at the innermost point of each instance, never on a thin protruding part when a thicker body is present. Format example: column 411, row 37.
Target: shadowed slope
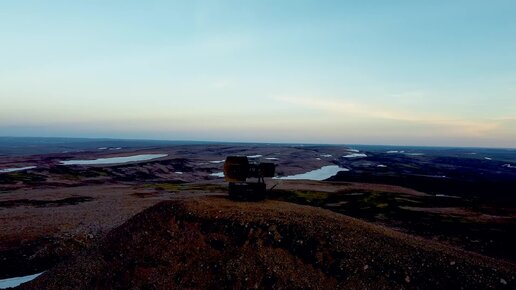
column 215, row 243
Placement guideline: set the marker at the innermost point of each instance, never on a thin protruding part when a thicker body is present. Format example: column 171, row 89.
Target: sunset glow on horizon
column 393, row 72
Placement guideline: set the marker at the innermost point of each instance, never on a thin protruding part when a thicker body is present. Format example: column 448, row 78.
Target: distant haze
column 392, row 72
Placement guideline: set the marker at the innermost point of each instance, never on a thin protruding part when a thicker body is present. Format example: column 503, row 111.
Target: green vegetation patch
column 72, row 173
column 355, row 202
column 25, row 177
column 178, row 187
column 301, row 196
column 394, row 209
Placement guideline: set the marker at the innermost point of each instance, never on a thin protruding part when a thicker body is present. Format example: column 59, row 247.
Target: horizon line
column 257, row 142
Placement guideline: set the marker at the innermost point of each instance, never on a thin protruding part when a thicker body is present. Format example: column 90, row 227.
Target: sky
column 408, row 72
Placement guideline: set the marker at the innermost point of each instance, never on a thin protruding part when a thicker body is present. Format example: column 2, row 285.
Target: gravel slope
column 215, row 243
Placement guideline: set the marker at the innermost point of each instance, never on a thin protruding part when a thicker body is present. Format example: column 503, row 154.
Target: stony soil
column 42, row 226
column 215, row 243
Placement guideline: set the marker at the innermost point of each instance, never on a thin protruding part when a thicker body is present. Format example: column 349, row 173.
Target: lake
column 6, row 170
column 16, row 281
column 322, row 173
column 114, row 160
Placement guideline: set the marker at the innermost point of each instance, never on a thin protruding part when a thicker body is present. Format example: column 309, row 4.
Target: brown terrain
column 215, row 243
column 78, row 225
column 49, row 213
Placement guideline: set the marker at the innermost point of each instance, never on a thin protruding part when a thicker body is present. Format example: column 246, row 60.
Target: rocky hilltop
column 215, row 243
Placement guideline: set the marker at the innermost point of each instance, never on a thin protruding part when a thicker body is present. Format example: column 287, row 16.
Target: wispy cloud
column 360, row 111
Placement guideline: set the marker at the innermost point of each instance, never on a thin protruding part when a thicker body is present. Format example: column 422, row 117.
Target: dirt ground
column 39, row 227
column 215, row 243
column 50, row 214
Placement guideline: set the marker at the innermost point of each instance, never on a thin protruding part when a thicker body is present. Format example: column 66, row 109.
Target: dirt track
column 213, row 243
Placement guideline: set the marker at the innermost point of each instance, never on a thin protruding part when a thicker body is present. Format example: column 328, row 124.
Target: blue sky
column 385, row 72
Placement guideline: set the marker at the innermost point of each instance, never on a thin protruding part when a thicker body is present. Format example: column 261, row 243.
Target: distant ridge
column 20, row 146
